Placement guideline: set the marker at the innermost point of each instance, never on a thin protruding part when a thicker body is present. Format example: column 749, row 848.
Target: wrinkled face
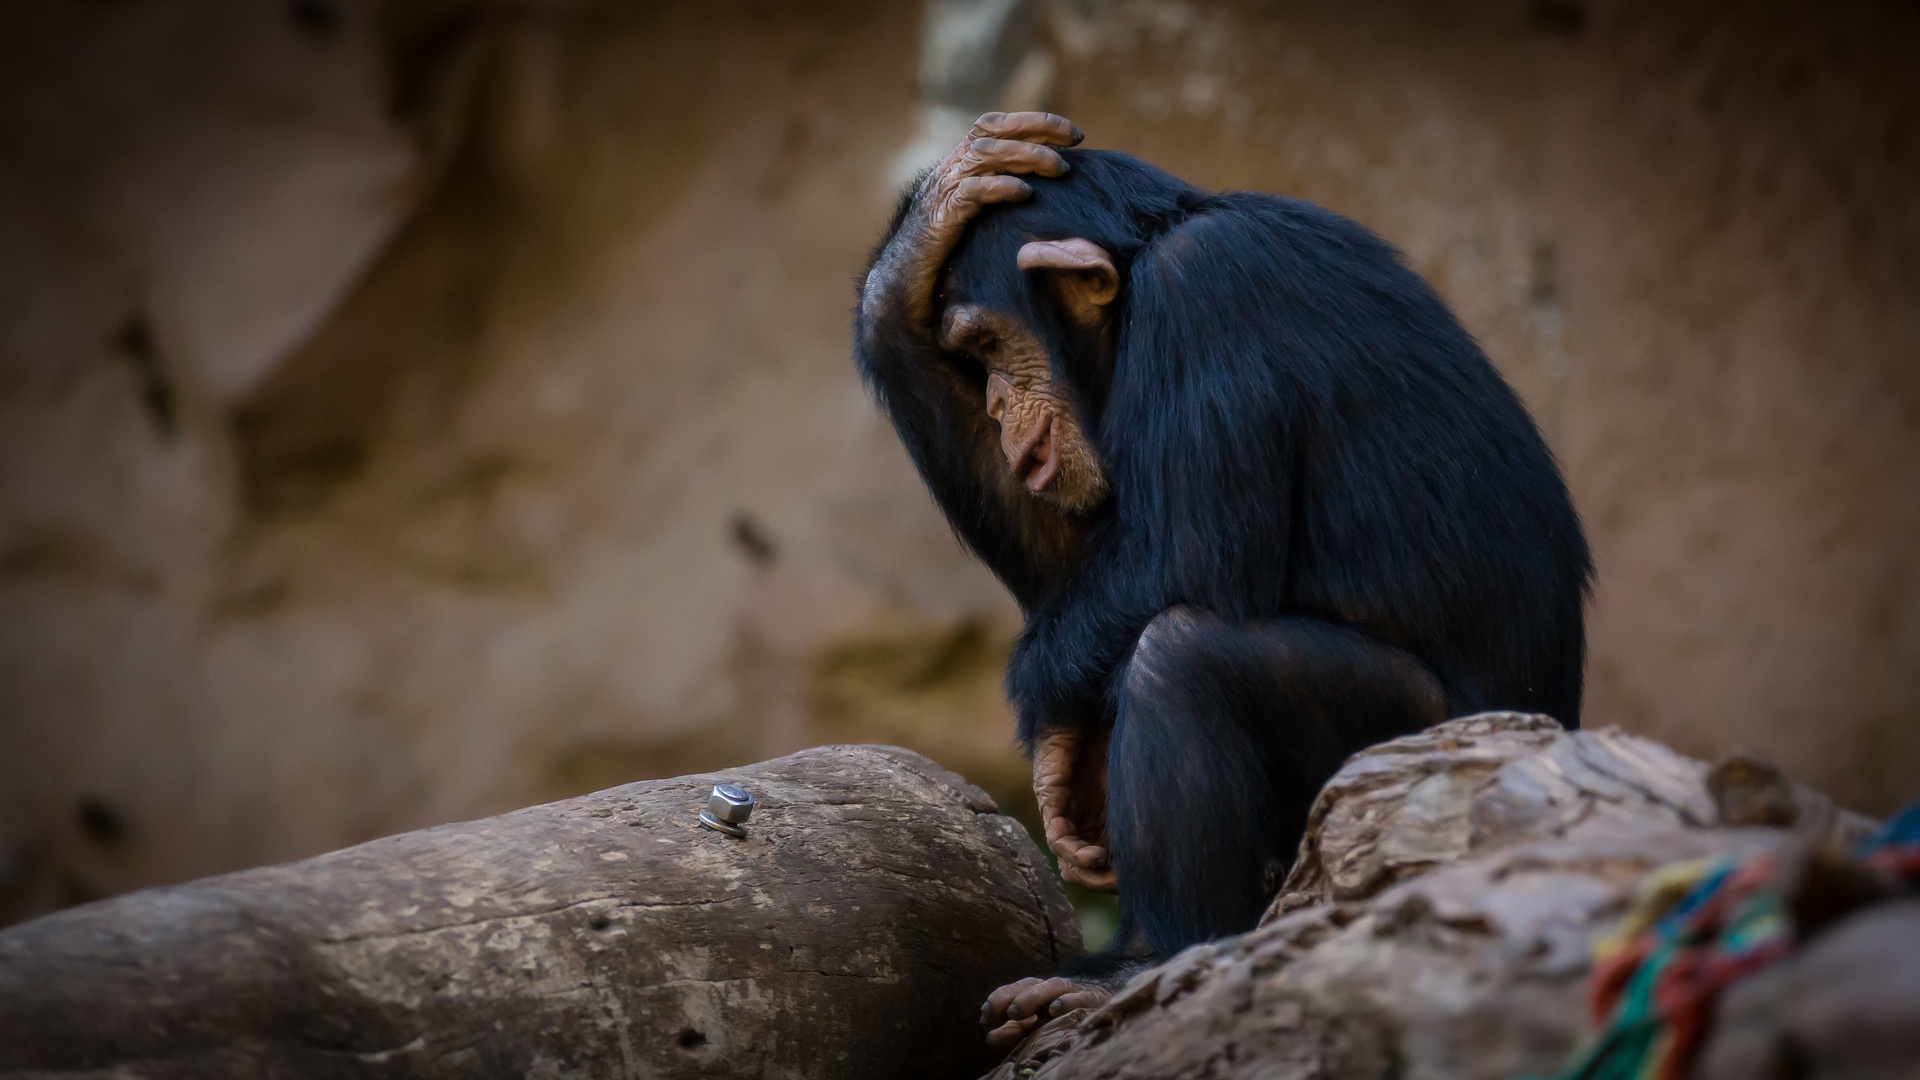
column 1045, row 447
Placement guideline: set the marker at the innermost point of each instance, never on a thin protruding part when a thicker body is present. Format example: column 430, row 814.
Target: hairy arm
column 935, row 401
column 1199, row 438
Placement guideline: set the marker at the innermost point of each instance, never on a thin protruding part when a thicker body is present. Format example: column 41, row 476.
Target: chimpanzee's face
column 1046, row 448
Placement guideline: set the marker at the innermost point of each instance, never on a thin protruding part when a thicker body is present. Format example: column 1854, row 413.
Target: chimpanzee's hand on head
column 980, row 171
column 1069, row 781
column 1014, row 1010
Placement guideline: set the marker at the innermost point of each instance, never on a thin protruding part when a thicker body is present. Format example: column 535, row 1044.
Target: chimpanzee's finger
column 1080, row 998
column 995, row 1008
column 1070, row 848
column 1058, row 827
column 1037, row 127
column 1090, row 857
column 977, row 191
column 1004, row 1038
column 1011, row 156
column 1105, row 881
column 1067, row 844
column 1034, row 1000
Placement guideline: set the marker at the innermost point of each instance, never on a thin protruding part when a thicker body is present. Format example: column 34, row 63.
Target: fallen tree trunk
column 874, row 902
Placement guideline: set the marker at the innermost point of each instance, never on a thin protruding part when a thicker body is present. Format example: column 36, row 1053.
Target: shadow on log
column 873, row 904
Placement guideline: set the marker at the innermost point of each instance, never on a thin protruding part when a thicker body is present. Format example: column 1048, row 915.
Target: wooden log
column 1439, row 920
column 873, row 904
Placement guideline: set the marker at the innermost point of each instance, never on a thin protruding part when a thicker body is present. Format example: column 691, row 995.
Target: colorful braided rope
column 1694, row 928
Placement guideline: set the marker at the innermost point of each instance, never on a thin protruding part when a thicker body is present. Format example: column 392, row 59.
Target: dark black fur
column 1306, row 450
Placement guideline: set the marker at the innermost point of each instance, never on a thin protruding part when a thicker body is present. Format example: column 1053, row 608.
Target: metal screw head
column 727, row 808
column 730, row 803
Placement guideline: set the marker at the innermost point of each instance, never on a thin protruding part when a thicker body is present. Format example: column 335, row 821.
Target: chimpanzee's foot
column 1014, row 1010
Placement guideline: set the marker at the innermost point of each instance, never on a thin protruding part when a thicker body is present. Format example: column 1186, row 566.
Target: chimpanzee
column 1262, row 501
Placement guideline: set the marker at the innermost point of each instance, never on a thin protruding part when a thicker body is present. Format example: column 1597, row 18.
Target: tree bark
column 1439, row 920
column 874, row 903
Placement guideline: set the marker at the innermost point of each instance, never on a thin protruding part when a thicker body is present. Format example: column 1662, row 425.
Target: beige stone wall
column 413, row 410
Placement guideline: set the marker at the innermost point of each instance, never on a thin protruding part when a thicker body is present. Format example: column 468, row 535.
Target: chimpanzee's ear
column 1082, row 275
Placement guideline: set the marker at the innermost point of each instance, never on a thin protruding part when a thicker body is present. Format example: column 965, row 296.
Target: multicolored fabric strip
column 1694, row 928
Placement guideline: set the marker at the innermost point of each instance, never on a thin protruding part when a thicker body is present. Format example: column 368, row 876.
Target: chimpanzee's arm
column 935, row 400
column 1060, row 672
column 938, row 407
column 1201, row 440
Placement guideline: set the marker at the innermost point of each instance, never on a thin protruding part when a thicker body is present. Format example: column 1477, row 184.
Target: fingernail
column 1013, row 1012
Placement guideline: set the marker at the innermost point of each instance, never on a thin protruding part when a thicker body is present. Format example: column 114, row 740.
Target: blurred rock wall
column 411, row 410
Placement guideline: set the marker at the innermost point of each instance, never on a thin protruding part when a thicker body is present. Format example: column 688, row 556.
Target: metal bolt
column 727, row 810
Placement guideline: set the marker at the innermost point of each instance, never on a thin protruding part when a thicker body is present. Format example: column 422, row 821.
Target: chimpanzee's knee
column 1191, row 800
column 1165, row 648
column 1223, row 734
column 1170, row 715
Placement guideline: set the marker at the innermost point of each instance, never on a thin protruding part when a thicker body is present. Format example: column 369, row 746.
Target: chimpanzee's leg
column 1224, row 735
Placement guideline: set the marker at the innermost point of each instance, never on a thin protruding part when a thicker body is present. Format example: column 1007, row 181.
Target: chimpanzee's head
column 1035, row 296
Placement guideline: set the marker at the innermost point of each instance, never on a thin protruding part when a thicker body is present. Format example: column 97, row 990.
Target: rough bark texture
column 1439, row 921
column 853, row 933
